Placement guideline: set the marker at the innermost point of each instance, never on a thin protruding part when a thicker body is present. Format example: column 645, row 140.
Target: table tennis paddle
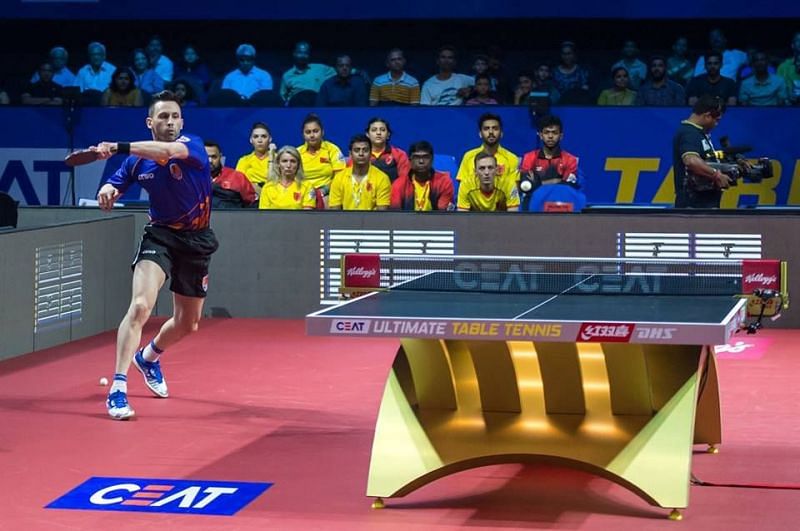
column 81, row 157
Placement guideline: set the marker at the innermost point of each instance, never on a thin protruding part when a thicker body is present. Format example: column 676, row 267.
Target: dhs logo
column 605, row 332
column 349, row 326
column 223, row 498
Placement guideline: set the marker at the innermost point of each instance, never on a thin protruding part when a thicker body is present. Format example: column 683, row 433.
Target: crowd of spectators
column 373, row 174
column 679, row 77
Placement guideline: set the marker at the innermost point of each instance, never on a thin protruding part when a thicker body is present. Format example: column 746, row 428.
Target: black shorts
column 183, row 255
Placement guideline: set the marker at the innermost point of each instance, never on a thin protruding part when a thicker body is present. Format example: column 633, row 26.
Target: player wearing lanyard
column 177, row 243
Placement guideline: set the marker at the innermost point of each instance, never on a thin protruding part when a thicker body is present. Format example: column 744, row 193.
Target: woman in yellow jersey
column 286, row 187
column 255, row 165
column 321, row 159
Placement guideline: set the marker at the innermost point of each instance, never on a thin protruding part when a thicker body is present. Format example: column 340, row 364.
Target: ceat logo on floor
column 223, row 498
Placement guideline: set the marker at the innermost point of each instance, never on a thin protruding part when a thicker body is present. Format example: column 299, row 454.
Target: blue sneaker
column 153, row 378
column 118, row 407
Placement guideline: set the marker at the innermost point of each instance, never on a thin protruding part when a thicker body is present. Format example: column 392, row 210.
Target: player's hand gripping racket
column 82, row 156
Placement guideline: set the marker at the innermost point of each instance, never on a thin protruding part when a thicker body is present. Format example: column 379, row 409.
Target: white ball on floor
column 103, row 381
column 525, row 186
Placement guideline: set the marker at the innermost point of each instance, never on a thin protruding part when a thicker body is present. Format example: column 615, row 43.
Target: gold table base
column 626, row 412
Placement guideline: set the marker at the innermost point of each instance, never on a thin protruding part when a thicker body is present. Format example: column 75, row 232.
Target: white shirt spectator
column 444, row 92
column 248, row 84
column 88, row 79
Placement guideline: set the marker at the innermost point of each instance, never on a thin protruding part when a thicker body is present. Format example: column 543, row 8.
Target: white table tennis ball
column 103, row 381
column 525, row 186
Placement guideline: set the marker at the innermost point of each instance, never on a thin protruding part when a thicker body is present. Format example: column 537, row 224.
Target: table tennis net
column 561, row 275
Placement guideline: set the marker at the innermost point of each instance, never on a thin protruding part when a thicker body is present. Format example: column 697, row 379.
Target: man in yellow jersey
column 255, row 166
column 361, row 186
column 488, row 197
column 321, row 159
column 490, row 130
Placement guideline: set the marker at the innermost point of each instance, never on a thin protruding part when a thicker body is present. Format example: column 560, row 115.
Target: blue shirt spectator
column 61, row 74
column 248, row 78
column 343, row 89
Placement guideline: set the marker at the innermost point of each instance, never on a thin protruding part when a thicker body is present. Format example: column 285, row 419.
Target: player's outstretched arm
column 147, row 149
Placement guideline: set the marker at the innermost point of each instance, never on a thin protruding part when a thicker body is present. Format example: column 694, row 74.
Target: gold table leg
column 624, row 412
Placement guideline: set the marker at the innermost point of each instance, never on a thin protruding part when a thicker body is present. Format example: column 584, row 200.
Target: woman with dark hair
column 191, row 68
column 184, row 93
column 122, row 91
column 321, row 159
column 391, row 160
column 619, row 94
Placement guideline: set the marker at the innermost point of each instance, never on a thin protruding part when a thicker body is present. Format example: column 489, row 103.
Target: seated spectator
column 61, row 74
column 679, row 68
column 361, row 186
column 523, row 88
column 286, row 187
column 391, row 160
column 793, row 83
column 422, row 188
column 160, row 62
column 538, row 84
column 344, row 89
column 303, row 76
column 146, row 78
column 543, row 83
column 480, row 66
column 184, row 93
column 230, row 188
column 322, row 160
column 248, row 78
column 619, row 94
column 97, row 74
column 637, row 70
column 446, row 87
column 396, row 87
column 550, row 164
column 122, row 92
column 255, row 166
column 790, row 73
column 487, row 197
column 712, row 82
column 502, row 93
column 571, row 79
column 659, row 90
column 762, row 88
column 490, row 131
column 193, row 70
column 4, row 99
column 482, row 91
column 747, row 70
column 731, row 61
column 44, row 91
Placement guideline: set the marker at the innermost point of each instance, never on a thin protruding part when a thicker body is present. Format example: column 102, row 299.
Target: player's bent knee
column 140, row 310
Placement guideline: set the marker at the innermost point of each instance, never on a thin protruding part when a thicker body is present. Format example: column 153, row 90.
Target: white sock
column 151, row 352
column 120, row 383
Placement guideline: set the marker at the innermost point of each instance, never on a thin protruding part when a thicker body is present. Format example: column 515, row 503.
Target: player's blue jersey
column 179, row 189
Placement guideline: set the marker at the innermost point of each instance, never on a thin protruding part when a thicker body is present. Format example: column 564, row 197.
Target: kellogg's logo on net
column 605, row 332
column 223, row 498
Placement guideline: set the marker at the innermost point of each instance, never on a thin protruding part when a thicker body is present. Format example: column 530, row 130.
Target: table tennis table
column 602, row 365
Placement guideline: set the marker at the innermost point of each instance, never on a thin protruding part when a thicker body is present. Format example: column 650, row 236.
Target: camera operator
column 698, row 185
